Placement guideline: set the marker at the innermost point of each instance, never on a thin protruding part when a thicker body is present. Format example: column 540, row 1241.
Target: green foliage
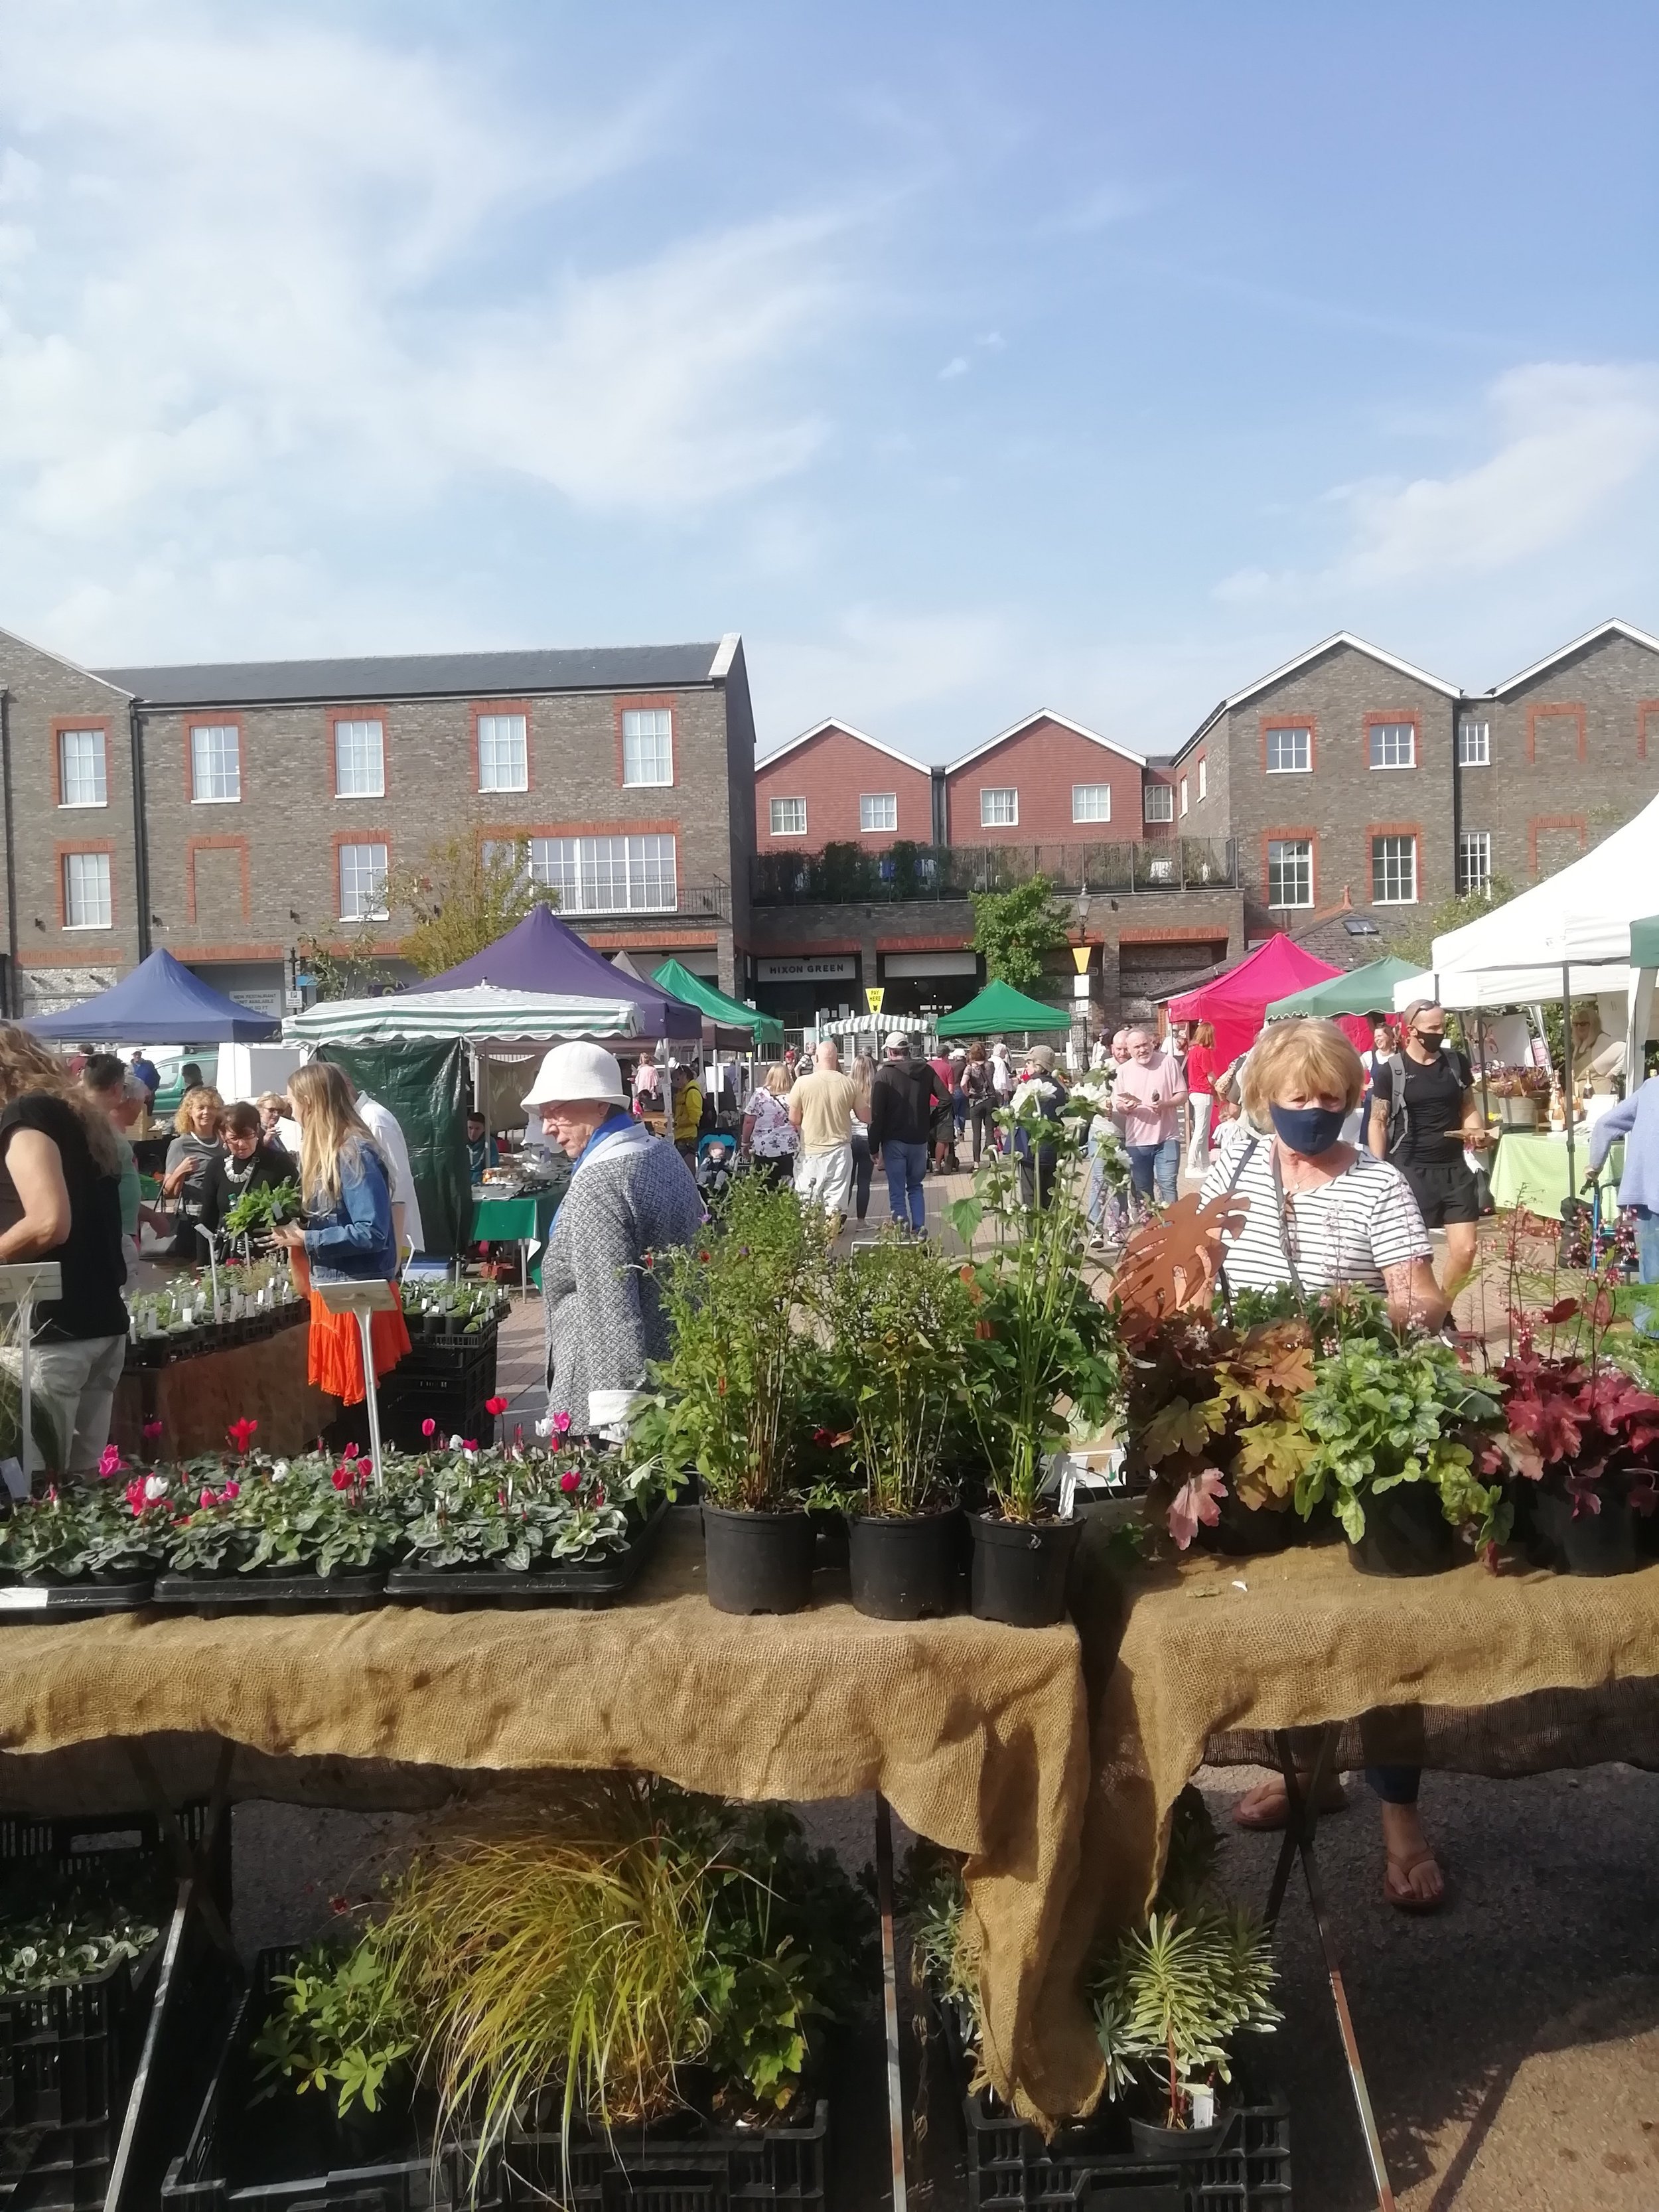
column 462, row 895
column 260, row 1208
column 343, row 973
column 931, row 1897
column 735, row 1394
column 901, row 1323
column 1382, row 1415
column 1418, row 943
column 1042, row 1341
column 59, row 1927
column 1170, row 1999
column 341, row 2026
column 1017, row 930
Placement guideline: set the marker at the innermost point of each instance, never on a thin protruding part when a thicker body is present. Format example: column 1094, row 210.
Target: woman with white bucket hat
column 630, row 1193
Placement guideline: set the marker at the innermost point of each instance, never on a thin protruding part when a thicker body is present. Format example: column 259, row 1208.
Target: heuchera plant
column 1585, row 1426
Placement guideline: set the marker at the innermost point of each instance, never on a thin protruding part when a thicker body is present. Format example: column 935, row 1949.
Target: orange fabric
column 336, row 1355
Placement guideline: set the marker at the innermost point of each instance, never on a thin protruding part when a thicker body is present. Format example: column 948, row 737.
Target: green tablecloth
column 1530, row 1169
column 513, row 1220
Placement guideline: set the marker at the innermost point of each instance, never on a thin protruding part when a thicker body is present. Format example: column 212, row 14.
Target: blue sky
column 967, row 359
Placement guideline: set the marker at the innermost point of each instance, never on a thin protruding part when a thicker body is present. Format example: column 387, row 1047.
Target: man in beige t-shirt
column 821, row 1107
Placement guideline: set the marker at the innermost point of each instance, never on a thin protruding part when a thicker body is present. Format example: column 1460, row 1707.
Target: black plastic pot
column 1242, row 1534
column 1152, row 2141
column 758, row 1562
column 904, row 1568
column 1587, row 1543
column 1406, row 1533
column 1020, row 1569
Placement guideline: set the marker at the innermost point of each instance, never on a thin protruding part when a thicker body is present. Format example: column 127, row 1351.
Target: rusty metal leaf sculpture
column 1173, row 1262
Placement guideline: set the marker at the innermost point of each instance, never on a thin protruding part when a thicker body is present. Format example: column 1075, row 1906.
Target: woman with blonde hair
column 196, row 1150
column 60, row 1201
column 346, row 1188
column 768, row 1138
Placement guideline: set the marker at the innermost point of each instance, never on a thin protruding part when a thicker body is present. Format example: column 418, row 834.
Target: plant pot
column 1243, row 1533
column 1587, row 1543
column 1155, row 2142
column 1406, row 1533
column 1518, row 1113
column 904, row 1567
column 1020, row 1569
column 758, row 1562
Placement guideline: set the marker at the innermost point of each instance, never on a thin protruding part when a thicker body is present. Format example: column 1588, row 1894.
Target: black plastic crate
column 589, row 1585
column 67, row 2055
column 1012, row 2169
column 686, row 2164
column 457, row 1409
column 291, row 2154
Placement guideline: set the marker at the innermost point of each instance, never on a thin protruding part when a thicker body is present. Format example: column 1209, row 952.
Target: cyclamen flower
column 231, row 1490
column 111, row 1461
column 560, row 1423
column 156, row 1486
column 570, row 1480
column 135, row 1495
column 207, row 1497
column 428, row 1427
column 153, row 1429
column 241, row 1434
column 341, row 1477
column 351, row 1451
column 496, row 1406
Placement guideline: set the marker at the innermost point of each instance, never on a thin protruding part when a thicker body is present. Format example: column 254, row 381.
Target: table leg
column 1299, row 1844
column 889, row 1996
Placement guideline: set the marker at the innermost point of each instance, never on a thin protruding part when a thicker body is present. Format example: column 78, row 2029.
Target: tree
column 461, row 895
column 1017, row 931
column 1418, row 943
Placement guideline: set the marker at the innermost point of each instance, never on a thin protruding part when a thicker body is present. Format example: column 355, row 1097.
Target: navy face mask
column 1309, row 1130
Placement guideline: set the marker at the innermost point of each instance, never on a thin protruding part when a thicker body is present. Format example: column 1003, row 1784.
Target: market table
column 196, row 1400
column 1530, row 1169
column 521, row 1221
column 976, row 1734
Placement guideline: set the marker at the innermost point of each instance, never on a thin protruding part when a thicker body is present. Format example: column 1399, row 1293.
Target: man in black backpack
column 1423, row 1114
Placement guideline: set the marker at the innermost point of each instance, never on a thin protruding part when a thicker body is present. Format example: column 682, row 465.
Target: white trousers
column 825, row 1178
column 1198, row 1153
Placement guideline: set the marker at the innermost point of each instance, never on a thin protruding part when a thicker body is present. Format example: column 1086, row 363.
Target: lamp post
column 1080, row 957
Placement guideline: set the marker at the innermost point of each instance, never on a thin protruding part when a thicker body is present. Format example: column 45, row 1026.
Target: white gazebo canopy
column 481, row 1016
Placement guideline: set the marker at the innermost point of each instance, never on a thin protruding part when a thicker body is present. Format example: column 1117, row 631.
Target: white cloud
column 1569, row 440
column 874, row 667
column 956, row 366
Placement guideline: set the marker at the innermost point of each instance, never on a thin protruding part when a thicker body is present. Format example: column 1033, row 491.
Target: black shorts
column 1445, row 1191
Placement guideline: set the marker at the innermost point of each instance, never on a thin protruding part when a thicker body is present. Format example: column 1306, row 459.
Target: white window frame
column 1203, row 776
column 99, row 766
column 644, row 749
column 1091, row 802
column 787, row 827
column 1295, row 767
column 1474, row 743
column 1385, row 737
column 999, row 806
column 103, row 897
column 1184, row 806
column 494, row 733
column 1480, row 839
column 372, row 761
column 370, row 903
column 1392, row 898
column 1158, row 803
column 584, row 872
column 215, row 763
column 1299, row 847
column 883, row 804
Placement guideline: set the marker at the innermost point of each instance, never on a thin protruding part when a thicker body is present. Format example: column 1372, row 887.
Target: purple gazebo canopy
column 543, row 953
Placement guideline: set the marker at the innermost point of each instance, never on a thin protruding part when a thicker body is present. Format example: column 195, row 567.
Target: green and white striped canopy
column 480, row 1015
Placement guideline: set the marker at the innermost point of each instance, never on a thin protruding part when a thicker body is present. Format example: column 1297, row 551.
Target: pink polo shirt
column 1145, row 1100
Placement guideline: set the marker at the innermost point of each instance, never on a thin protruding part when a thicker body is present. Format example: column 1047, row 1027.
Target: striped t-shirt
column 1347, row 1231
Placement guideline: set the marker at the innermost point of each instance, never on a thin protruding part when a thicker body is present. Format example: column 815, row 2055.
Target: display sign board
column 816, row 967
column 873, row 997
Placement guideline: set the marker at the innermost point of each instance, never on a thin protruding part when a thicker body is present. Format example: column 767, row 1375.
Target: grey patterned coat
column 602, row 1317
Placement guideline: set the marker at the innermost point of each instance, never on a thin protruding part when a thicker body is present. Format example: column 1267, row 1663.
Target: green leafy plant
column 1017, row 930
column 340, row 2027
column 1383, row 1415
column 261, row 1207
column 1044, row 1352
column 901, row 1326
column 1170, row 1997
column 732, row 1398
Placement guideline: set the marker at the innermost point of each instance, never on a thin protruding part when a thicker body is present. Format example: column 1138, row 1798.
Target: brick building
column 833, row 785
column 225, row 811
column 1045, row 781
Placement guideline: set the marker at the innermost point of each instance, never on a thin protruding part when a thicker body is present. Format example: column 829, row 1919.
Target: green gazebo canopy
column 1644, row 942
column 1000, row 1007
column 1368, row 990
column 724, row 1013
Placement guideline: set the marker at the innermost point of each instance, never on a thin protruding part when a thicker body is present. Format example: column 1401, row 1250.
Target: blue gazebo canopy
column 160, row 1003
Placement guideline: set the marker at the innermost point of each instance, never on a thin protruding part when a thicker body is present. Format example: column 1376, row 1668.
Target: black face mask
column 1432, row 1041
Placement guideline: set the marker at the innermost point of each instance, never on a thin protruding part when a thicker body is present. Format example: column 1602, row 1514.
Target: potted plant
column 1409, row 1447
column 1589, row 1441
column 1520, row 1093
column 336, row 2026
column 901, row 1325
column 732, row 1398
column 1041, row 1341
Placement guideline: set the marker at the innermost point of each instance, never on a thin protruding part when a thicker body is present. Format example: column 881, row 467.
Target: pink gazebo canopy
column 1236, row 1004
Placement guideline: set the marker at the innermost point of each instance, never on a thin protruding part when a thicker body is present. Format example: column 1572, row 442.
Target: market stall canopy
column 998, row 1006
column 724, row 1013
column 543, row 954
column 160, row 1003
column 1235, row 1004
column 482, row 1016
column 1367, row 990
column 1644, row 942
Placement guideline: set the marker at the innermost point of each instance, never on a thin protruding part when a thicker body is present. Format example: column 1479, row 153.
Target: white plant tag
column 19, row 1600
column 12, row 1474
column 1202, row 2098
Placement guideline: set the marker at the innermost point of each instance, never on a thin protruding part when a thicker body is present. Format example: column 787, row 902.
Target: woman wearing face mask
column 1322, row 1212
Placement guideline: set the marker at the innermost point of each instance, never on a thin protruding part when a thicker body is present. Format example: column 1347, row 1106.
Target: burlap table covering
column 976, row 1734
column 1223, row 1649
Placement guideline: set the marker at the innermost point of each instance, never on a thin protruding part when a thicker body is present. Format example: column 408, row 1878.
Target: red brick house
column 1045, row 781
column 835, row 785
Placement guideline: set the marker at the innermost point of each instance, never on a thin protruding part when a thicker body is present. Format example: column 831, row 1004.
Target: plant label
column 19, row 1600
column 12, row 1474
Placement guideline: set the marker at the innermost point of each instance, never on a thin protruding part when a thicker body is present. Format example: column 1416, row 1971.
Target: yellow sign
column 1080, row 956
column 873, row 996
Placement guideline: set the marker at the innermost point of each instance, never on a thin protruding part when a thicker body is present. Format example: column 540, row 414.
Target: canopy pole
column 1566, row 1056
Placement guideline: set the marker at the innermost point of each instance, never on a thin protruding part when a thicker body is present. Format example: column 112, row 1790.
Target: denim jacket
column 352, row 1241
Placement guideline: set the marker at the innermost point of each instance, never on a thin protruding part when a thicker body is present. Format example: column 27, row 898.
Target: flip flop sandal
column 1405, row 1898
column 1276, row 1813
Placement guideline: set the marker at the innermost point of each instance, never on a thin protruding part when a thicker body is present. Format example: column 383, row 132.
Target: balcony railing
column 845, row 875
column 701, row 901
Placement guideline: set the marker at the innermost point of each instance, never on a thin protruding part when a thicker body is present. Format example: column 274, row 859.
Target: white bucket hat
column 571, row 1072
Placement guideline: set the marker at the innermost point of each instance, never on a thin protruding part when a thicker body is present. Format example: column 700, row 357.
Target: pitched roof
column 63, row 660
column 1326, row 644
column 1045, row 714
column 830, row 722
column 1613, row 627
column 426, row 674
